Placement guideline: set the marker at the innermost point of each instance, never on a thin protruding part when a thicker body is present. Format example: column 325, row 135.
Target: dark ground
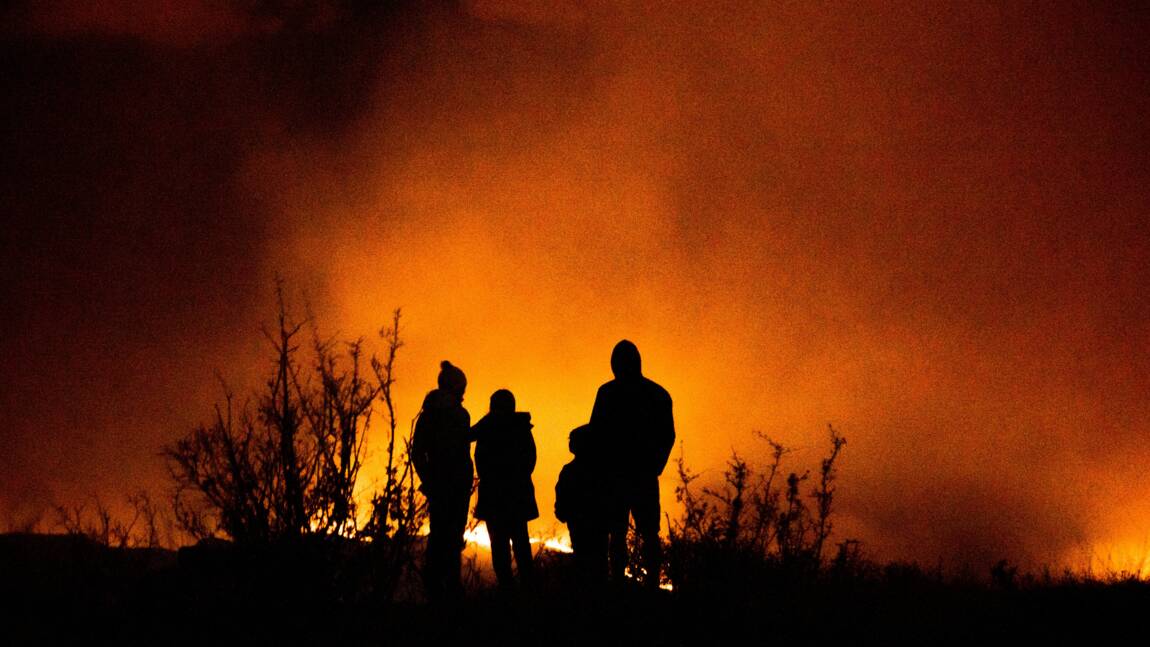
column 68, row 589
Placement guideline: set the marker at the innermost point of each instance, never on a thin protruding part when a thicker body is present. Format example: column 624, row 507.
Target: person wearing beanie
column 451, row 379
column 504, row 461
column 632, row 434
column 441, row 454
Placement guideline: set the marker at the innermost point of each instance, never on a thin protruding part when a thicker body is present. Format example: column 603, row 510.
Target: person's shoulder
column 608, row 388
column 570, row 469
column 522, row 425
column 481, row 427
column 455, row 414
column 657, row 389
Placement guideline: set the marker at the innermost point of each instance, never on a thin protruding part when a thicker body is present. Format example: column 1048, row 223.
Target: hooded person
column 504, row 460
column 633, row 433
column 441, row 455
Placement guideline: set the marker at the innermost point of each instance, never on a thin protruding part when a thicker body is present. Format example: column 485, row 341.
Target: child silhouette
column 578, row 504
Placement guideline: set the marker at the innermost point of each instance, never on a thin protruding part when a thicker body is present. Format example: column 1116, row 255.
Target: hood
column 625, row 360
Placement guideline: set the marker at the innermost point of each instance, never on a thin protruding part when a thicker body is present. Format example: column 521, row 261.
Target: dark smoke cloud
column 926, row 224
column 133, row 251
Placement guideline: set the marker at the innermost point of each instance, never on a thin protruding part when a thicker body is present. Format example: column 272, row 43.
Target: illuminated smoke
column 926, row 225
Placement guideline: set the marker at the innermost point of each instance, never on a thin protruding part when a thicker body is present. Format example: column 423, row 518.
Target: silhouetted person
column 441, row 453
column 504, row 460
column 579, row 503
column 635, row 431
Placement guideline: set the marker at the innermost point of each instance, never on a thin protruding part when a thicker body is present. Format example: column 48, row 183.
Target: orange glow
column 1129, row 559
column 479, row 538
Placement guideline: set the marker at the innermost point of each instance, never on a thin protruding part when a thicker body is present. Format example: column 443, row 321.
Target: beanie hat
column 451, row 378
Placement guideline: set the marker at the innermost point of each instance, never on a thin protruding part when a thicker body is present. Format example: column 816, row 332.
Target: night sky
column 927, row 225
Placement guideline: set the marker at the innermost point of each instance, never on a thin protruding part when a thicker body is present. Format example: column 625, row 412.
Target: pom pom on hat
column 451, row 378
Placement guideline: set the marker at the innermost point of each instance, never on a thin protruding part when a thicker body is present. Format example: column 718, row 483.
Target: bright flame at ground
column 557, row 544
column 666, row 586
column 1130, row 559
column 478, row 536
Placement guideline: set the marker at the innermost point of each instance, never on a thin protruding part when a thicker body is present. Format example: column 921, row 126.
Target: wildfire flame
column 478, row 536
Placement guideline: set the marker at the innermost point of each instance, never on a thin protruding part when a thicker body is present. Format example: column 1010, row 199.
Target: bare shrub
column 146, row 527
column 288, row 465
column 751, row 519
column 398, row 510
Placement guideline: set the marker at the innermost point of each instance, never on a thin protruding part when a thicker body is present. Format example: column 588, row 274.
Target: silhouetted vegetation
column 287, row 468
column 270, row 488
column 148, row 526
column 755, row 519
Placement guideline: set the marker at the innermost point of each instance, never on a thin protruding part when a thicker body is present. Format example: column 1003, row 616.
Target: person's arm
column 561, row 504
column 481, row 462
column 527, row 450
column 420, row 449
column 532, row 455
column 599, row 431
column 599, row 409
column 666, row 430
column 476, row 430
